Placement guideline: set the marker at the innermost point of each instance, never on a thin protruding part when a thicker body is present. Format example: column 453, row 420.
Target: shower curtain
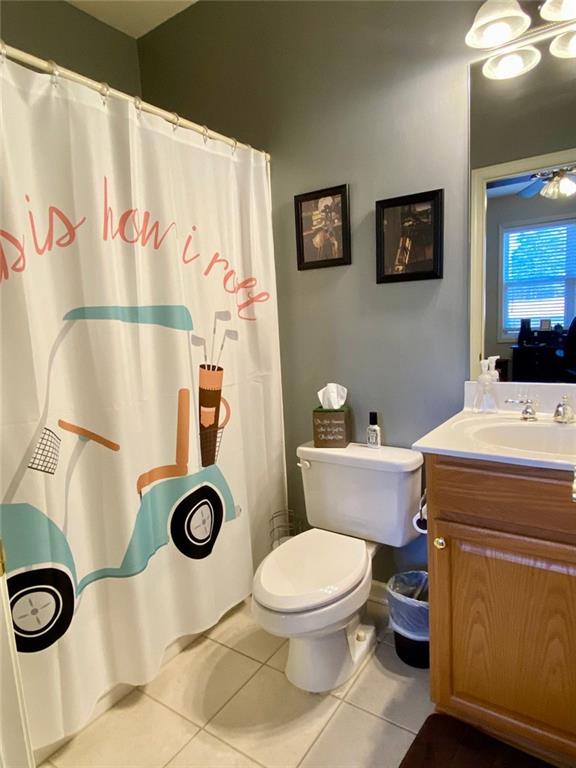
column 141, row 414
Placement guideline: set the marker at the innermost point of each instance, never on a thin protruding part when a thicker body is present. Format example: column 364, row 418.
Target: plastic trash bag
column 408, row 604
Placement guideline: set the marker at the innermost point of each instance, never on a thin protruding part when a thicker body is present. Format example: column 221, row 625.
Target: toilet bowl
column 313, row 587
column 311, row 590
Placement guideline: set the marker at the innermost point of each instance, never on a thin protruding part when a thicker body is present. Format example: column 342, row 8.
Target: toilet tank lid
column 384, row 458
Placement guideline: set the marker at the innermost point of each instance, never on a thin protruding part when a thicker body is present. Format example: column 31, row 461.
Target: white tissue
column 332, row 396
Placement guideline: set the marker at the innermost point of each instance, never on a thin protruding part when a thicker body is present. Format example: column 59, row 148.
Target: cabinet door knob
column 440, row 543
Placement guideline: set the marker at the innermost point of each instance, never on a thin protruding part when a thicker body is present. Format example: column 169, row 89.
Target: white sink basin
column 530, row 436
column 504, row 437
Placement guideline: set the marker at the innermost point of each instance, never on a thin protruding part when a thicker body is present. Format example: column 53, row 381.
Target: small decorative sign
column 331, row 427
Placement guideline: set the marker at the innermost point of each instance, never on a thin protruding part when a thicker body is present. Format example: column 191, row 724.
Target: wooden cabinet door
column 503, row 632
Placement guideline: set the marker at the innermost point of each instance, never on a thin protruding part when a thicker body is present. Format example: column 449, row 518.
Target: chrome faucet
column 564, row 413
column 528, row 412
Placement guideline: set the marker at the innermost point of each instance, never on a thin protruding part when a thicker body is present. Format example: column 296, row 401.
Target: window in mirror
column 530, row 276
column 538, row 276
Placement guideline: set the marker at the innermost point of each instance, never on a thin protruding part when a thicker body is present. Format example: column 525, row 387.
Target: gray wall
column 58, row 31
column 373, row 94
column 506, row 211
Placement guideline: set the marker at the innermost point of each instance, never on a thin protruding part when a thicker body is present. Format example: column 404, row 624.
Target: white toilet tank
column 370, row 493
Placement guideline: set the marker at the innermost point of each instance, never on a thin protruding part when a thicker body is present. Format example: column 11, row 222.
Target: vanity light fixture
column 564, row 46
column 560, row 186
column 558, row 10
column 498, row 22
column 512, row 64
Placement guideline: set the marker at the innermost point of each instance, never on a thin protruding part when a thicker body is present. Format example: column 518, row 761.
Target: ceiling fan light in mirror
column 513, row 64
column 497, row 22
column 560, row 186
column 564, row 46
column 558, row 10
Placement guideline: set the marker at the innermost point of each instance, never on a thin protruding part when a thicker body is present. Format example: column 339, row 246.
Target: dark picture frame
column 410, row 237
column 323, row 228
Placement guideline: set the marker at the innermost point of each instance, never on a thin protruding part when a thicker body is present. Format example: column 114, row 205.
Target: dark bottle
column 525, row 334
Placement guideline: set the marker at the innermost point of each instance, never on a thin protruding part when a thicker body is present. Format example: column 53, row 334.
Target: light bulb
column 551, row 190
column 507, row 65
column 495, row 34
column 567, row 187
column 497, row 22
column 558, row 10
column 564, row 46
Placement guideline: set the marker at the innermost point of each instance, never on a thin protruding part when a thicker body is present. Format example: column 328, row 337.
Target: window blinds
column 538, row 274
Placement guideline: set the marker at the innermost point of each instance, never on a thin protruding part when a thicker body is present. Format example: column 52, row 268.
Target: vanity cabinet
column 502, row 562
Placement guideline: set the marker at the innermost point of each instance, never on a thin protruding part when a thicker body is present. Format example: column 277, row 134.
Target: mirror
column 523, row 220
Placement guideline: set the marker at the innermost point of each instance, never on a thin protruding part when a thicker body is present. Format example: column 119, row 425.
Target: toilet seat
column 314, row 569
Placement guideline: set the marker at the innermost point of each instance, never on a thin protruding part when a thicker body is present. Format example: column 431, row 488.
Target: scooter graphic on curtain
column 174, row 503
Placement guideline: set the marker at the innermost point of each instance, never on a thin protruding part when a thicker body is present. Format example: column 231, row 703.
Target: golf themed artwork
column 43, row 599
column 323, row 228
column 409, row 237
column 141, row 412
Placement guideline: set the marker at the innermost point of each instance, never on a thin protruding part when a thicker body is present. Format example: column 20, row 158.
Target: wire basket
column 47, row 452
column 210, row 441
column 283, row 525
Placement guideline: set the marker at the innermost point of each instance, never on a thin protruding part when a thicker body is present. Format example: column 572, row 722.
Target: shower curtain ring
column 54, row 72
column 234, row 146
column 205, row 133
column 138, row 106
column 176, row 123
column 2, row 51
column 104, row 92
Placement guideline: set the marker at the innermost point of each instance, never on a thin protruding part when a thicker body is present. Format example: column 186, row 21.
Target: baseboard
column 378, row 592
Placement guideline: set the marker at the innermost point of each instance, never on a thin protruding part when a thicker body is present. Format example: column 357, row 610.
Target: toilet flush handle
column 304, row 464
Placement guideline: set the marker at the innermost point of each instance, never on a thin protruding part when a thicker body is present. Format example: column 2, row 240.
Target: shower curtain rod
column 105, row 90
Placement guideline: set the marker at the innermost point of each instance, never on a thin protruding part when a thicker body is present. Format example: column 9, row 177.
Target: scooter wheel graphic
column 42, row 607
column 196, row 522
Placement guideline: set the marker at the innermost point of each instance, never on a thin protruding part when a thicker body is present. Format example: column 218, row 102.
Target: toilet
column 313, row 587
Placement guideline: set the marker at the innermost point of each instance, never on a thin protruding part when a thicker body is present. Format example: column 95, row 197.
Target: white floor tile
column 136, row 733
column 201, row 679
column 343, row 689
column 272, row 721
column 278, row 661
column 391, row 689
column 206, row 751
column 239, row 631
column 356, row 739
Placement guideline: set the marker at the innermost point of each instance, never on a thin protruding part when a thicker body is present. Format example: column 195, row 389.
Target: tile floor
column 224, row 702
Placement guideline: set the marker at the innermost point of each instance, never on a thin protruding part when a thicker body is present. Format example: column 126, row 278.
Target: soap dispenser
column 492, row 360
column 485, row 397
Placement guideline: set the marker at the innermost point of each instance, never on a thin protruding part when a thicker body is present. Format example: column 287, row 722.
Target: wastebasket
column 408, row 604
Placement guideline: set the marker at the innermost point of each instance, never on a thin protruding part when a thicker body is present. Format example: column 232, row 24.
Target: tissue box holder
column 331, row 427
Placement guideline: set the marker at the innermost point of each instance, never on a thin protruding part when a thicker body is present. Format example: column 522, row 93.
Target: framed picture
column 323, row 228
column 409, row 237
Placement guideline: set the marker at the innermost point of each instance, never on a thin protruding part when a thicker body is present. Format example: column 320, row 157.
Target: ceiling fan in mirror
column 554, row 184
